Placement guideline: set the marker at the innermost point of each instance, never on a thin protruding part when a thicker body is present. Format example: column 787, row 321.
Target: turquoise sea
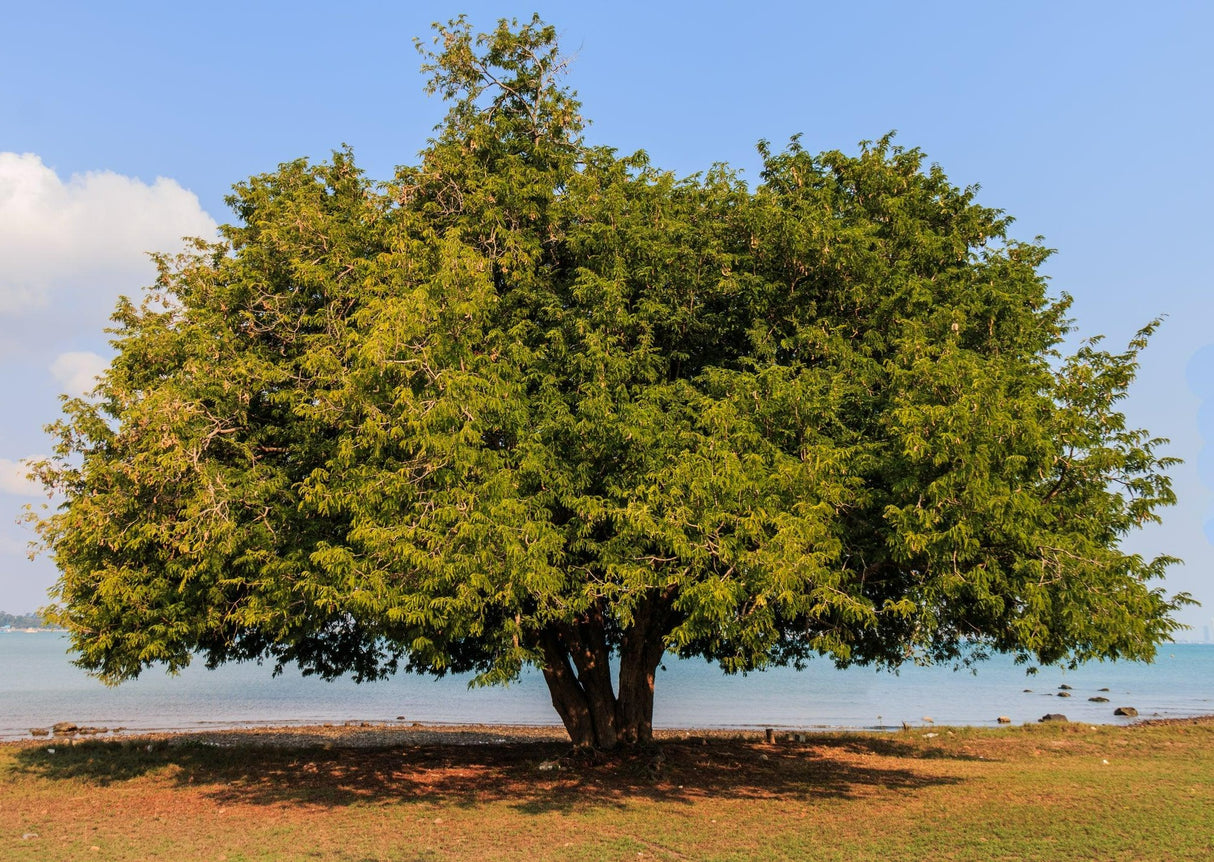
column 39, row 686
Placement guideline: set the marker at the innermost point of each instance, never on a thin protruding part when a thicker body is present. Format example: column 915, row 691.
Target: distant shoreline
column 31, row 631
column 360, row 735
column 367, row 735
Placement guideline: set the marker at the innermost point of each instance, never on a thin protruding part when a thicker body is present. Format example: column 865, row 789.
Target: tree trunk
column 640, row 654
column 577, row 670
column 587, row 643
column 567, row 696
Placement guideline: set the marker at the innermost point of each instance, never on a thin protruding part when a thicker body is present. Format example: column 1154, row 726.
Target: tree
column 533, row 403
column 21, row 621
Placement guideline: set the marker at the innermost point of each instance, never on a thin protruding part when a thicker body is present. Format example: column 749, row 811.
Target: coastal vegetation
column 21, row 621
column 536, row 403
column 1041, row 792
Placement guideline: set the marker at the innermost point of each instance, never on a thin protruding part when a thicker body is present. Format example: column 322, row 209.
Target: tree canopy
column 536, row 403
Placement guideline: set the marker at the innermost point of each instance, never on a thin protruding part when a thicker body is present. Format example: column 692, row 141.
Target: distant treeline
column 21, row 621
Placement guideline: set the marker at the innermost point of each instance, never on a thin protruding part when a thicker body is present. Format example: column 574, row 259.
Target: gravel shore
column 357, row 735
column 367, row 736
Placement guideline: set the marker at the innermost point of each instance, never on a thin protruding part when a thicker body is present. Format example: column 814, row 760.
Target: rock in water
column 65, row 727
column 1098, row 699
column 1003, row 719
column 1125, row 710
column 1053, row 716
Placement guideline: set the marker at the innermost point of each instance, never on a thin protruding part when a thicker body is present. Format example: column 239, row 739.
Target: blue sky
column 123, row 125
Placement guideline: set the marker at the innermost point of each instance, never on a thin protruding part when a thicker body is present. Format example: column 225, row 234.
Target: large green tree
column 535, row 403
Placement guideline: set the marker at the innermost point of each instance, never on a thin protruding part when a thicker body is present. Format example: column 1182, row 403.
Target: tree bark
column 640, row 654
column 587, row 641
column 567, row 696
column 578, row 672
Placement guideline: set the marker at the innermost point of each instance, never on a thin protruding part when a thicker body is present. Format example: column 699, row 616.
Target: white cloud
column 89, row 234
column 13, row 480
column 77, row 371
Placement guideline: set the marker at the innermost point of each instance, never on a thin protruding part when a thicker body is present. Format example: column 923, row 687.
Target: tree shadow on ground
column 533, row 777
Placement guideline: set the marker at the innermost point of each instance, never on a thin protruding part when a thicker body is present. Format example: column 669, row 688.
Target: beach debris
column 1125, row 710
column 50, row 751
column 1003, row 719
column 769, row 735
column 1053, row 716
column 548, row 766
column 1105, row 762
column 26, row 836
column 930, row 735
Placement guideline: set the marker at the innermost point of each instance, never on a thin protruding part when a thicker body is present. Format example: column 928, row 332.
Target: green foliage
column 21, row 621
column 533, row 395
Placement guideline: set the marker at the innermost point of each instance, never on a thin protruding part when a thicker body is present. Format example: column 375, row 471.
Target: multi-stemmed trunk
column 577, row 669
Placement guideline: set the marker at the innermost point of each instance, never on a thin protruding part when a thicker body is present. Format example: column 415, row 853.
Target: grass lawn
column 1049, row 792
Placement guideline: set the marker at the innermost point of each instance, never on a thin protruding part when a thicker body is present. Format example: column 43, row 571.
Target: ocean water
column 39, row 687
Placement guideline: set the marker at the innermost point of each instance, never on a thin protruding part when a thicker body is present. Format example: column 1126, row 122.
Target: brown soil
column 475, row 763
